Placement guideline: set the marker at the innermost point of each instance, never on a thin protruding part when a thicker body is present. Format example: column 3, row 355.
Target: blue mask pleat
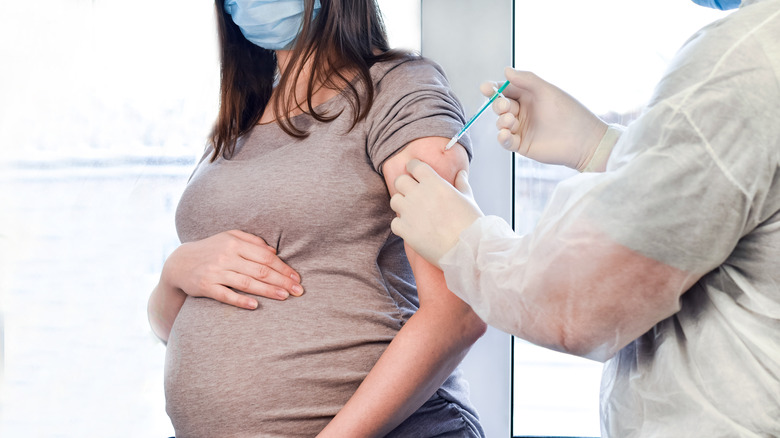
column 271, row 24
column 719, row 4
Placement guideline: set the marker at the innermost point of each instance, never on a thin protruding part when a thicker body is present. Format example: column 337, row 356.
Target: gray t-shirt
column 286, row 368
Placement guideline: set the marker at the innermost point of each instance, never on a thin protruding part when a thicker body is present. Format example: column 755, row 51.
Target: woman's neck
column 320, row 94
column 282, row 58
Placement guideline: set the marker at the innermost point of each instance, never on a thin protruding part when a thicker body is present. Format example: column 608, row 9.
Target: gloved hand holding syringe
column 476, row 116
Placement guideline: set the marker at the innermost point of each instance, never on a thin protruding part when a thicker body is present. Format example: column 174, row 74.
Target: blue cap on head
column 719, row 4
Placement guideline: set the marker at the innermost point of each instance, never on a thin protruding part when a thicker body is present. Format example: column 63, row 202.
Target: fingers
column 250, row 285
column 396, row 203
column 251, row 238
column 509, row 141
column 488, row 89
column 398, row 228
column 508, row 121
column 520, row 83
column 264, row 265
column 260, row 257
column 508, row 131
column 404, row 184
column 503, row 106
column 225, row 295
column 261, row 279
column 519, row 79
column 420, row 170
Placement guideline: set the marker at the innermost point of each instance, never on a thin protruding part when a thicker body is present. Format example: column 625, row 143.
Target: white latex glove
column 431, row 212
column 544, row 123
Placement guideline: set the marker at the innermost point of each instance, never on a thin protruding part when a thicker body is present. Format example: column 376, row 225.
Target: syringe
column 476, row 116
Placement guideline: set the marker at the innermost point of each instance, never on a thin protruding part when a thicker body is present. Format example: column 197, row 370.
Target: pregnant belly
column 282, row 370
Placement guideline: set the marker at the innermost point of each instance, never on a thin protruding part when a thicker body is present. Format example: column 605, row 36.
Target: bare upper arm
column 429, row 279
column 429, row 150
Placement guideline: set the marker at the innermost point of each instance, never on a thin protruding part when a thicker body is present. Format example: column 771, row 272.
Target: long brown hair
column 345, row 39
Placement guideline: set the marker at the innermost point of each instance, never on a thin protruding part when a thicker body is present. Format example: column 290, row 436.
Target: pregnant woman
column 291, row 309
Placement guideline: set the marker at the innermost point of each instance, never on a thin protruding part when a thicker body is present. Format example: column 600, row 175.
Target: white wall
column 402, row 20
column 469, row 58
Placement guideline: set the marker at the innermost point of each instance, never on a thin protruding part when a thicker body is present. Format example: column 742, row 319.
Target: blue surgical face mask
column 270, row 24
column 719, row 4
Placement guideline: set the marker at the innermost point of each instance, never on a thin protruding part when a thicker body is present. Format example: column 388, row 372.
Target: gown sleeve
column 613, row 252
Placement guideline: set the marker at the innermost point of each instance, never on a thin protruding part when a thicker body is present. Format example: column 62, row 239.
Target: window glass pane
column 609, row 55
column 105, row 106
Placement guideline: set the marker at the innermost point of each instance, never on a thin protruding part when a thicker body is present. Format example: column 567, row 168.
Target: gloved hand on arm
column 544, row 123
column 431, row 212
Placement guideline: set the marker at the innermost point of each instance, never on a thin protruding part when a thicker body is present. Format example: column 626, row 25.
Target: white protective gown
column 667, row 265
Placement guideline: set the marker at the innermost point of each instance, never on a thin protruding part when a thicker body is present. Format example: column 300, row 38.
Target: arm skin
column 163, row 307
column 434, row 340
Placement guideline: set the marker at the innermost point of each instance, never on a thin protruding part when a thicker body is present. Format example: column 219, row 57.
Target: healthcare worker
column 665, row 261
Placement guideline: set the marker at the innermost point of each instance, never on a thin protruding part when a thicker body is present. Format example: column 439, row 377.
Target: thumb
column 517, row 78
column 520, row 82
column 462, row 183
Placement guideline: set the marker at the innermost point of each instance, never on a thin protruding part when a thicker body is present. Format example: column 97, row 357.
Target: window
column 106, row 106
column 609, row 55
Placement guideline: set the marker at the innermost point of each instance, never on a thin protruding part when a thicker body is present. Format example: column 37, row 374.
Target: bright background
column 104, row 107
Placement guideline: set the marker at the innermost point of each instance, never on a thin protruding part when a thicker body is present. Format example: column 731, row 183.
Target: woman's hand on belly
column 232, row 259
column 212, row 268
